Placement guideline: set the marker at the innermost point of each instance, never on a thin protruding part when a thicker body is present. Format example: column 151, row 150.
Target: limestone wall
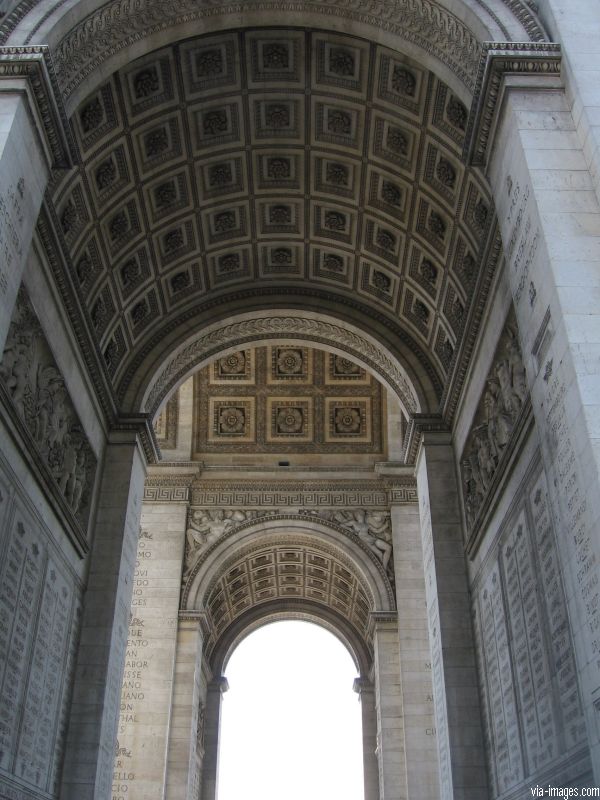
column 40, row 602
column 51, row 445
column 146, row 694
column 535, row 726
column 535, row 730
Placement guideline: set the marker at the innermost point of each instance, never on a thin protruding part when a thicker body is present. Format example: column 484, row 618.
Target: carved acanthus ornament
column 38, row 394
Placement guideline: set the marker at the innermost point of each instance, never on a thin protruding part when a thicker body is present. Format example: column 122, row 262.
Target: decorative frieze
column 34, row 65
column 289, row 494
column 491, row 438
column 36, row 390
column 206, row 526
column 166, row 494
column 499, row 60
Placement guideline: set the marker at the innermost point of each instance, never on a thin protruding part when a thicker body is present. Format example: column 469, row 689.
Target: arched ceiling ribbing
column 272, row 163
column 96, row 36
column 295, row 572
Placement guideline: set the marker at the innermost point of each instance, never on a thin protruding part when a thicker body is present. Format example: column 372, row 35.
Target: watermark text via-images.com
column 564, row 791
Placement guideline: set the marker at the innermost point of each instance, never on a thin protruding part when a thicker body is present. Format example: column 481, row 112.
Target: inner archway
column 374, row 166
column 290, row 723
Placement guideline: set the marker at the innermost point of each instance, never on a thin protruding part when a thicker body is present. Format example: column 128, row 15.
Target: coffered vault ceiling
column 317, row 575
column 272, row 163
column 281, row 399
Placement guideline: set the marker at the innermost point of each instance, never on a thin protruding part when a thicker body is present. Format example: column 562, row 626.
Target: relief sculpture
column 499, row 409
column 40, row 398
column 372, row 527
column 206, row 526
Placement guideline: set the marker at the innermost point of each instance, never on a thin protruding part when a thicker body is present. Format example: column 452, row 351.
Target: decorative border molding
column 520, row 10
column 171, row 412
column 243, row 297
column 307, row 494
column 118, row 24
column 530, row 21
column 377, row 618
column 280, row 327
column 34, row 65
column 54, row 255
column 498, row 60
column 417, row 426
column 403, row 494
column 166, row 494
column 464, row 353
column 141, row 425
column 302, row 494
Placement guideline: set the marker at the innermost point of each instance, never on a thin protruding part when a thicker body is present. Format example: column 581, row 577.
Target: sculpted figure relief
column 502, row 401
column 205, row 526
column 372, row 527
column 40, row 397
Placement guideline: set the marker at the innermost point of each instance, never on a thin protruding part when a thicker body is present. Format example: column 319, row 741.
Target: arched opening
column 290, row 721
column 333, row 176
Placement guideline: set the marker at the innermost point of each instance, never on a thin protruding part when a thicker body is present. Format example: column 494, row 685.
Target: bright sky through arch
column 291, row 724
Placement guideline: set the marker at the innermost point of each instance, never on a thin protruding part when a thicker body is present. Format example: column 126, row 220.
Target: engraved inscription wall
column 39, row 616
column 146, row 689
column 533, row 709
column 11, row 230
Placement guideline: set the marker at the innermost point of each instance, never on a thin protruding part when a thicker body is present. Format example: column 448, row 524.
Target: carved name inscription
column 147, row 678
column 503, row 708
column 532, row 674
column 11, row 231
column 522, row 243
column 526, row 644
column 133, row 687
column 573, row 504
column 573, row 725
column 39, row 614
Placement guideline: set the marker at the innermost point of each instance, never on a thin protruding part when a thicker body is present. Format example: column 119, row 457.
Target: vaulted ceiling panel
column 275, row 158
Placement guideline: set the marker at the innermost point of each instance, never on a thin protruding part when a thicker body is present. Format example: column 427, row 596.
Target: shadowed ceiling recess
column 276, row 162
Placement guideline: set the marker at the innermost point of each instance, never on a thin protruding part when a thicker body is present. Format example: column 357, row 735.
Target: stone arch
column 281, row 530
column 257, row 617
column 414, row 391
column 342, row 251
column 446, row 38
column 339, row 584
